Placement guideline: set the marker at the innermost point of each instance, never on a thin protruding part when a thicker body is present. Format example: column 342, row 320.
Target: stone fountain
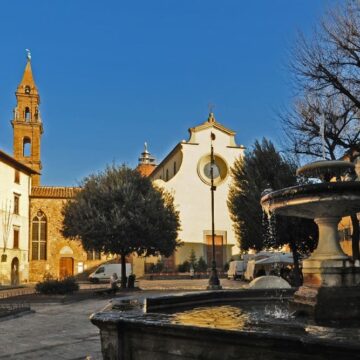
column 331, row 289
column 256, row 323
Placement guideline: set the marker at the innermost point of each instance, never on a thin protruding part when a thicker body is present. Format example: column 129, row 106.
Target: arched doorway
column 15, row 271
column 66, row 267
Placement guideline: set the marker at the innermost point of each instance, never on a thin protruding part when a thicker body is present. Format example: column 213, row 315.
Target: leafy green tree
column 118, row 211
column 260, row 169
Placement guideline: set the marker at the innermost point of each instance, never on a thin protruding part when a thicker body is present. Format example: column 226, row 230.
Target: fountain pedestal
column 331, row 278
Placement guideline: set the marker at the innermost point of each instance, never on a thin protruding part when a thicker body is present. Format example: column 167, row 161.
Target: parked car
column 103, row 272
column 236, row 269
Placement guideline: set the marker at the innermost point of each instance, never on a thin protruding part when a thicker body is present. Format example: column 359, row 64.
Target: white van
column 103, row 272
column 236, row 269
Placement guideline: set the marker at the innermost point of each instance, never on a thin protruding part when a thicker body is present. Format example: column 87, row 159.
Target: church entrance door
column 66, row 267
column 219, row 253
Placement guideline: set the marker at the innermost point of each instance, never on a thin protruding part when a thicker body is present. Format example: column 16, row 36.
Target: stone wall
column 57, row 245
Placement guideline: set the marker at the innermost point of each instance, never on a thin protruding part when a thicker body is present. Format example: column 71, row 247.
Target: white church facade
column 185, row 173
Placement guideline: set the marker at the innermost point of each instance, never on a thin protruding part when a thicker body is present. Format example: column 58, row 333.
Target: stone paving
column 63, row 331
column 53, row 332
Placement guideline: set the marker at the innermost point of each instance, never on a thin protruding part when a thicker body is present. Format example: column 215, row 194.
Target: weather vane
column 28, row 54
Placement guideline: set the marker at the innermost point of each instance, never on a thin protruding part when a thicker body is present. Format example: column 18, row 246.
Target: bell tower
column 26, row 123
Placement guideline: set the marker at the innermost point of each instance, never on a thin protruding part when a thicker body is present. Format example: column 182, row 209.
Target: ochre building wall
column 57, row 245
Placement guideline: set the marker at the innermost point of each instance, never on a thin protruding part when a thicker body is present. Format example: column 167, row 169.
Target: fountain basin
column 333, row 199
column 157, row 332
column 326, row 169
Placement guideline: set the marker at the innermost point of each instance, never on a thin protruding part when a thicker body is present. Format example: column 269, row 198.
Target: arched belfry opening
column 27, row 114
column 26, row 147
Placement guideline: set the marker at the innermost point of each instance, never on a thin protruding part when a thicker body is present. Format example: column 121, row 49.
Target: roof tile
column 60, row 192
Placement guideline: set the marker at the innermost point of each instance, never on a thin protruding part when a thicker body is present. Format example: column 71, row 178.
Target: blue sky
column 113, row 74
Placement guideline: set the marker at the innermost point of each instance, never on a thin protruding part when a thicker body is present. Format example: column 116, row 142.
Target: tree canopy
column 118, row 211
column 262, row 168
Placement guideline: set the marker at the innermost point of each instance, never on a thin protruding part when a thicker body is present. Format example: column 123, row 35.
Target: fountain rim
column 324, row 165
column 328, row 188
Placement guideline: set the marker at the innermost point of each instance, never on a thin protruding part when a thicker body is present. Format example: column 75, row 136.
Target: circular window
column 220, row 169
column 207, row 170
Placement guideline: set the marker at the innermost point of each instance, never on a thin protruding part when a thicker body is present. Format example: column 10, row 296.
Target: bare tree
column 324, row 127
column 329, row 63
column 325, row 119
column 7, row 215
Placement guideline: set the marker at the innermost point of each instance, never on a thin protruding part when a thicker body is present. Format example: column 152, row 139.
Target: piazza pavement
column 63, row 331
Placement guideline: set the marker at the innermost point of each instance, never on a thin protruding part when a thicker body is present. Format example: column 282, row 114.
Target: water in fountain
column 268, row 229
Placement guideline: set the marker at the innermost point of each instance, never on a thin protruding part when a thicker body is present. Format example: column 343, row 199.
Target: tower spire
column 27, row 123
column 27, row 82
column 146, row 162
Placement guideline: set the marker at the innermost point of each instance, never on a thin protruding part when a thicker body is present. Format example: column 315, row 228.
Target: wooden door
column 66, row 267
column 219, row 252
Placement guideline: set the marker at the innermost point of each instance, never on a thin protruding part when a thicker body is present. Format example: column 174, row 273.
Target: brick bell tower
column 27, row 123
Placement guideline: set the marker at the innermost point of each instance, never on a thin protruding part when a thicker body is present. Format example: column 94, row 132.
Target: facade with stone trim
column 15, row 187
column 185, row 173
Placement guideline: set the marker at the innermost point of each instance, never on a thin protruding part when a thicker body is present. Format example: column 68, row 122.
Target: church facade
column 185, row 173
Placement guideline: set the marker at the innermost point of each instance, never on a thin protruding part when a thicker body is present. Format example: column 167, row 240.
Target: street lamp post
column 214, row 282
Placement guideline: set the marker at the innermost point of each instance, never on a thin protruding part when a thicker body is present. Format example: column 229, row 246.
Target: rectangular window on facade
column 17, row 177
column 16, row 204
column 93, row 255
column 16, row 238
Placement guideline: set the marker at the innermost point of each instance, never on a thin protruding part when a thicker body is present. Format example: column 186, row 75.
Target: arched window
column 27, row 89
column 39, row 236
column 27, row 114
column 26, row 147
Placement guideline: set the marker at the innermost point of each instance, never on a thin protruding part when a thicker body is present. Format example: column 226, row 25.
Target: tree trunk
column 355, row 237
column 123, row 271
column 297, row 272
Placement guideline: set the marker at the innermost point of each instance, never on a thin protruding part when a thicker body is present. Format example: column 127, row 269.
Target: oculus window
column 220, row 169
